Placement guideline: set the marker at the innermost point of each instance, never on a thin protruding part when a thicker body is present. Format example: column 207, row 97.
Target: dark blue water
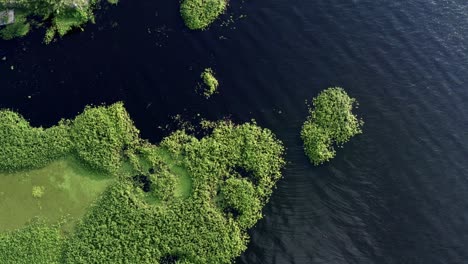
column 396, row 194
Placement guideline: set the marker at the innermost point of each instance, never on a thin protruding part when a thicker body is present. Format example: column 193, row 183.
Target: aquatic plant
column 210, row 82
column 18, row 29
column 57, row 16
column 38, row 191
column 143, row 217
column 36, row 243
column 331, row 122
column 101, row 136
column 199, row 14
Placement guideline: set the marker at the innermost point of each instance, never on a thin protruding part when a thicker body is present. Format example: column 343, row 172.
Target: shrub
column 123, row 226
column 16, row 30
column 38, row 191
column 210, row 82
column 199, row 14
column 102, row 135
column 330, row 122
column 37, row 243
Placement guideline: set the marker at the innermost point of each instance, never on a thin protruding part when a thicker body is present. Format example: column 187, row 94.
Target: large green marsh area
column 90, row 190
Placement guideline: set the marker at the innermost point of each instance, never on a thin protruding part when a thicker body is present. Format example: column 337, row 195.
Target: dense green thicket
column 58, row 16
column 330, row 122
column 210, row 82
column 102, row 137
column 199, row 14
column 196, row 229
column 19, row 29
column 25, row 147
column 37, row 243
column 232, row 173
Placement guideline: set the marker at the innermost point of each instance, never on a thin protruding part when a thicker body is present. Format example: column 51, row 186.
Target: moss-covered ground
column 186, row 200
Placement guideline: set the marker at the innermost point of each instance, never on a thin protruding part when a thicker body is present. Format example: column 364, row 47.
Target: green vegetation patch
column 210, row 82
column 18, row 29
column 331, row 122
column 199, row 14
column 57, row 16
column 62, row 188
column 38, row 243
column 187, row 200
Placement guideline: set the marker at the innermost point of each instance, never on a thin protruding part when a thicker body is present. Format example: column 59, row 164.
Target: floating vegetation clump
column 187, row 200
column 199, row 14
column 331, row 122
column 210, row 83
column 38, row 191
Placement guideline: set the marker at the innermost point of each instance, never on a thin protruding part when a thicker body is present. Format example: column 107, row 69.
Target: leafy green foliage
column 195, row 229
column 25, row 147
column 36, row 243
column 16, row 30
column 38, row 191
column 210, row 82
column 331, row 121
column 239, row 194
column 199, row 14
column 103, row 136
column 234, row 169
column 58, row 16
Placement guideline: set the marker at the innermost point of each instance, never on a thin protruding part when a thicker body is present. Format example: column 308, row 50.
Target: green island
column 330, row 122
column 59, row 17
column 210, row 83
column 199, row 14
column 90, row 190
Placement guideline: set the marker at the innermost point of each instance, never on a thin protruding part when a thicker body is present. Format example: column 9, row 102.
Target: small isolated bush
column 330, row 122
column 38, row 191
column 210, row 82
column 199, row 14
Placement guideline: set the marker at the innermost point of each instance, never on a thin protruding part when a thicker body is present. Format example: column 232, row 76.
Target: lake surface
column 398, row 193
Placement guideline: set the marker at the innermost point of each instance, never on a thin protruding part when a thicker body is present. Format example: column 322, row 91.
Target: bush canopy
column 330, row 122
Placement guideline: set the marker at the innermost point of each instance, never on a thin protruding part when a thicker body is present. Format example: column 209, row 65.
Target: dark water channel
column 396, row 194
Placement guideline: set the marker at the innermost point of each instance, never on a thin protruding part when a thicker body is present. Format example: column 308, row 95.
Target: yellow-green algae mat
column 64, row 189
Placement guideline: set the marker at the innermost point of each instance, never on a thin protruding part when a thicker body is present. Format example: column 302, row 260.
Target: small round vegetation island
column 199, row 14
column 330, row 122
column 185, row 200
column 210, row 83
column 17, row 17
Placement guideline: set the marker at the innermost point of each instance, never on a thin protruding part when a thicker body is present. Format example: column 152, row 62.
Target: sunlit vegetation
column 210, row 83
column 63, row 188
column 188, row 200
column 199, row 14
column 57, row 16
column 38, row 191
column 37, row 243
column 330, row 123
